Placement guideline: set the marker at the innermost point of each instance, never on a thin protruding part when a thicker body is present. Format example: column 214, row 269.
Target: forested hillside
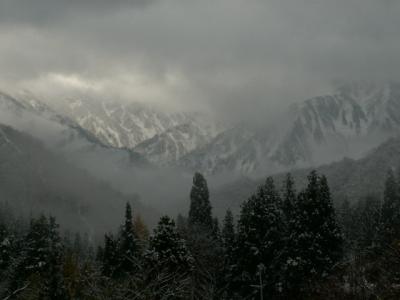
column 349, row 179
column 283, row 245
column 34, row 180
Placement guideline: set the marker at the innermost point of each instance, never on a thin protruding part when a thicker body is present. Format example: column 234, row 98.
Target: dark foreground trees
column 284, row 245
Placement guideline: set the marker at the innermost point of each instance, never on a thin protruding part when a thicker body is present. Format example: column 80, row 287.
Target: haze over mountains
column 349, row 179
column 350, row 122
column 131, row 146
column 34, row 179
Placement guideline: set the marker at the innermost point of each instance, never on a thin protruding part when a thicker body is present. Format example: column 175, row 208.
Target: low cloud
column 192, row 54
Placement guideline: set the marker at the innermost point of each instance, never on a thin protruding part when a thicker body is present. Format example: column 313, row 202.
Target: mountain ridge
column 37, row 180
column 350, row 179
column 352, row 121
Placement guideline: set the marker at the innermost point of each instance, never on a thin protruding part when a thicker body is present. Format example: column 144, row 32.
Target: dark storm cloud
column 193, row 52
column 41, row 12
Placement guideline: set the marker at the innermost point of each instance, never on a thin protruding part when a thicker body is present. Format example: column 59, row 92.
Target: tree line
column 284, row 244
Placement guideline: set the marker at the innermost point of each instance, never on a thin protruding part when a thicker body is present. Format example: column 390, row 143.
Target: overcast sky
column 191, row 53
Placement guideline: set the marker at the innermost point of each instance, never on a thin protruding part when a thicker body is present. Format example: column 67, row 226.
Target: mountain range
column 348, row 123
column 159, row 135
column 132, row 147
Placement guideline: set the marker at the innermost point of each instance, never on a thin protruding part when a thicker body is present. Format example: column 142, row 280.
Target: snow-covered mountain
column 352, row 121
column 161, row 136
column 176, row 142
column 120, row 124
column 63, row 136
column 120, row 168
column 349, row 122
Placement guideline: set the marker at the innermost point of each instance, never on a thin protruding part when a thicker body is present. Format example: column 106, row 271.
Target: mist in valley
column 216, row 149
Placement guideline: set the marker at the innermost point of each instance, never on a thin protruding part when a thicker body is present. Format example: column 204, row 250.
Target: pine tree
column 54, row 281
column 200, row 207
column 41, row 260
column 346, row 219
column 110, row 256
column 289, row 196
column 390, row 236
column 228, row 230
column 202, row 241
column 390, row 231
column 5, row 247
column 128, row 244
column 169, row 261
column 228, row 242
column 315, row 239
column 216, row 231
column 167, row 248
column 36, row 252
column 368, row 225
column 260, row 241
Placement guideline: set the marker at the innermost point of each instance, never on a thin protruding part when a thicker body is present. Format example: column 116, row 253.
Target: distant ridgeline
column 349, row 179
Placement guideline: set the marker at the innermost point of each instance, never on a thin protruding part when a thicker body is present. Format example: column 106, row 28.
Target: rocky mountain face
column 162, row 137
column 118, row 124
column 349, row 123
column 176, row 142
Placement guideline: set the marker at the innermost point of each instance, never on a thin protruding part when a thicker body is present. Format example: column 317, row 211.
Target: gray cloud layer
column 191, row 52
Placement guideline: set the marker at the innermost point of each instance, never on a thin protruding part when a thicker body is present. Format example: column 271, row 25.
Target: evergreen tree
column 216, row 231
column 228, row 230
column 167, row 248
column 390, row 237
column 169, row 261
column 128, row 244
column 289, row 196
column 390, row 231
column 54, row 281
column 368, row 225
column 202, row 242
column 110, row 257
column 5, row 247
column 346, row 220
column 37, row 249
column 41, row 261
column 315, row 240
column 260, row 241
column 228, row 242
column 200, row 207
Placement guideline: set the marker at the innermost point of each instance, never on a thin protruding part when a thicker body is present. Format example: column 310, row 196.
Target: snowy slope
column 352, row 121
column 119, row 124
column 62, row 135
column 175, row 142
column 162, row 137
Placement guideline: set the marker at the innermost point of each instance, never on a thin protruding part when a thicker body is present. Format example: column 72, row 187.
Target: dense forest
column 284, row 244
